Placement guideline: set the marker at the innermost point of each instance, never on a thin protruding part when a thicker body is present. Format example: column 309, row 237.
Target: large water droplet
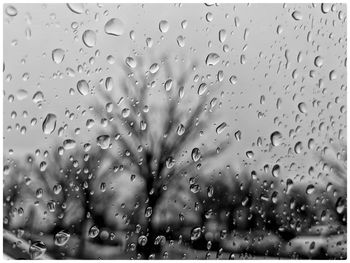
column 168, row 84
column 58, row 55
column 276, row 138
column 94, row 231
column 196, row 233
column 77, row 8
column 164, row 26
column 103, row 141
column 297, row 15
column 114, row 27
column 196, row 155
column 69, row 144
column 302, row 107
column 222, row 35
column 38, row 97
column 318, row 61
column 298, row 147
column 154, row 68
column 202, row 89
column 89, row 38
column 11, row 10
column 325, row 8
column 130, row 62
column 37, row 249
column 310, row 189
column 212, row 59
column 61, row 238
column 49, row 123
column 142, row 240
column 109, row 83
column 276, row 170
column 83, row 87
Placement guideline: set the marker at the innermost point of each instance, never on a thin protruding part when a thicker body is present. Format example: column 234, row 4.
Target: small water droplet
column 93, row 231
column 297, row 15
column 37, row 249
column 276, row 138
column 154, row 68
column 276, row 169
column 130, row 62
column 196, row 233
column 302, row 107
column 168, row 84
column 202, row 89
column 69, row 144
column 77, row 8
column 11, row 10
column 310, row 189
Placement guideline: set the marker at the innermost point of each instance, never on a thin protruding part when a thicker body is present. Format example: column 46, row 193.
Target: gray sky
column 270, row 53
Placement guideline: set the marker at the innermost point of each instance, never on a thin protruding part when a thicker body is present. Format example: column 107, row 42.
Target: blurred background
column 174, row 131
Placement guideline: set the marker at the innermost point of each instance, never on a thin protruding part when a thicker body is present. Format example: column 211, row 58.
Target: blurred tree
column 152, row 139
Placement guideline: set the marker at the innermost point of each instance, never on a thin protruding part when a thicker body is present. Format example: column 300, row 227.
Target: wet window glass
column 174, row 131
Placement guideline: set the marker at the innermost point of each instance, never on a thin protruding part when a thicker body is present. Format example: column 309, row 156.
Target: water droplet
column 114, row 27
column 332, row 75
column 37, row 249
column 340, row 205
column 38, row 97
column 69, row 144
column 212, row 59
column 249, row 154
column 49, row 123
column 109, row 83
column 318, row 61
column 196, row 233
column 148, row 211
column 142, row 240
column 196, row 155
column 238, row 135
column 298, row 147
column 58, row 55
column 276, row 138
column 170, row 162
column 125, row 112
column 103, row 141
column 276, row 169
column 11, row 10
column 221, row 128
column 310, row 189
column 202, row 89
column 325, row 8
column 222, row 35
column 210, row 191
column 93, row 231
column 297, row 15
column 77, row 8
column 180, row 41
column 61, row 238
column 180, row 129
column 130, row 62
column 302, row 107
column 168, row 84
column 89, row 38
column 21, row 94
column 164, row 26
column 154, row 68
column 83, row 87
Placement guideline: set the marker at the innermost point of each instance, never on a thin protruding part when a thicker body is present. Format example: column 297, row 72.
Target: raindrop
column 154, row 68
column 69, row 144
column 109, row 83
column 58, row 55
column 168, row 84
column 130, row 62
column 196, row 233
column 196, row 155
column 89, row 38
column 37, row 249
column 310, row 189
column 202, row 88
column 212, row 59
column 142, row 240
column 180, row 41
column 164, row 26
column 298, row 147
column 49, row 123
column 238, row 135
column 325, row 8
column 11, row 10
column 302, row 107
column 83, row 87
column 222, row 35
column 148, row 211
column 61, row 238
column 180, row 129
column 38, row 97
column 170, row 162
column 103, row 141
column 318, row 61
column 93, row 231
column 297, row 15
column 221, row 128
column 276, row 138
column 249, row 154
column 77, row 8
column 276, row 169
column 114, row 27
